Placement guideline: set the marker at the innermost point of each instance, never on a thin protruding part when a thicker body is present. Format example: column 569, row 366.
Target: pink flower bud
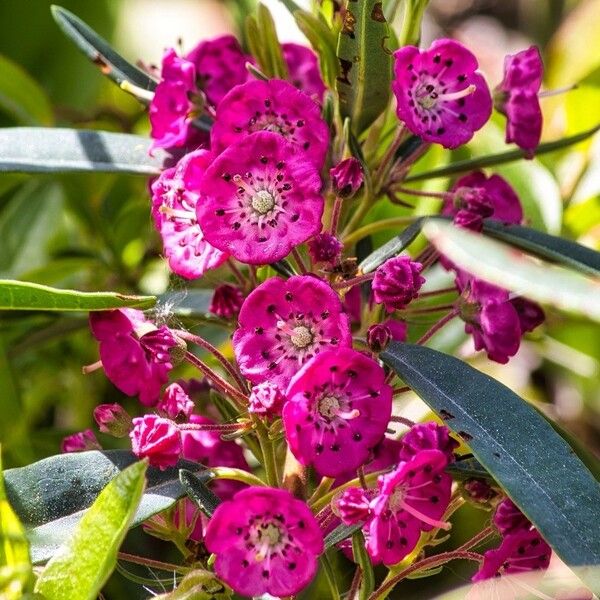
column 157, row 439
column 80, row 442
column 378, row 337
column 325, row 247
column 226, row 301
column 347, row 177
column 397, row 282
column 175, row 402
column 113, row 419
column 266, row 400
column 353, row 506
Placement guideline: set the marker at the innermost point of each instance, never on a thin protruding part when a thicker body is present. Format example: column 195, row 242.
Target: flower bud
column 175, row 402
column 266, row 400
column 378, row 337
column 157, row 439
column 113, row 419
column 226, row 301
column 480, row 492
column 325, row 247
column 347, row 177
column 397, row 282
column 80, row 442
column 353, row 506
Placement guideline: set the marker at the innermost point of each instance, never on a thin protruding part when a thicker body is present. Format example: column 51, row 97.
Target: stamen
column 91, row 368
column 237, row 179
column 458, row 95
column 423, row 517
column 177, row 214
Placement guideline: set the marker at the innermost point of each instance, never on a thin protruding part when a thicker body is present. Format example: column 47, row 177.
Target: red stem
column 299, row 261
column 225, row 427
column 335, row 215
column 437, row 292
column 340, row 285
column 400, row 390
column 438, row 326
column 402, row 420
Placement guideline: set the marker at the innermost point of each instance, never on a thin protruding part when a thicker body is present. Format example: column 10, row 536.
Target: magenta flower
column 208, row 448
column 303, row 70
column 427, row 436
column 261, row 198
column 397, row 328
column 171, row 110
column 347, row 177
column 266, row 400
column 157, row 439
column 516, row 97
column 134, row 353
column 338, row 408
column 80, row 442
column 530, row 313
column 275, row 106
column 266, row 542
column 220, row 65
column 113, row 419
column 353, row 506
column 283, row 324
column 508, row 518
column 397, row 281
column 175, row 403
column 226, row 301
column 441, row 97
column 325, row 247
column 174, row 200
column 411, row 499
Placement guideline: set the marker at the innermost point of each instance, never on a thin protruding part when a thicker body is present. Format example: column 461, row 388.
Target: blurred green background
column 93, row 232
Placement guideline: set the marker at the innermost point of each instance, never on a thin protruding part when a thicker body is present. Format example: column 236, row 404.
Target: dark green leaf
column 196, row 489
column 471, row 164
column 519, row 448
column 264, row 45
column 99, row 51
column 467, row 468
column 45, row 150
column 22, row 295
column 51, row 495
column 340, row 533
column 392, row 248
column 365, row 63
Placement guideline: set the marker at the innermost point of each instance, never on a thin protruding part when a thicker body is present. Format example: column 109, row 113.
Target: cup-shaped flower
column 174, row 200
column 397, row 282
column 427, row 436
column 113, row 419
column 157, row 439
column 347, row 177
column 175, row 402
column 220, row 65
column 303, row 70
column 516, row 97
column 283, row 324
column 134, row 352
column 275, row 106
column 266, row 542
column 338, row 408
column 441, row 97
column 260, row 199
column 411, row 499
column 353, row 506
column 226, row 301
column 80, row 442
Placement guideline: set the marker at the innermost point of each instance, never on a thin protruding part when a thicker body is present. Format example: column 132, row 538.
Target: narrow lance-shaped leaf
column 196, row 489
column 50, row 496
column 509, row 268
column 365, row 72
column 22, row 295
column 520, row 449
column 100, row 52
column 84, row 562
column 48, row 150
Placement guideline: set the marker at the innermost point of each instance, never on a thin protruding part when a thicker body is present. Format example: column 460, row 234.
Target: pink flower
column 397, row 281
column 411, row 499
column 261, row 198
column 516, row 97
column 174, row 200
column 325, row 247
column 441, row 97
column 266, row 542
column 113, row 419
column 157, row 439
column 338, row 408
column 427, row 436
column 397, row 328
column 134, row 353
column 226, row 301
column 303, row 70
column 275, row 106
column 208, row 448
column 353, row 303
column 220, row 65
column 508, row 518
column 80, row 442
column 353, row 506
column 175, row 402
column 283, row 324
column 171, row 110
column 347, row 177
column 266, row 399
column 530, row 313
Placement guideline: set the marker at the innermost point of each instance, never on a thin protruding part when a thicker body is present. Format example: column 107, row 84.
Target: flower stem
column 437, row 292
column 235, row 374
column 446, row 319
column 237, row 273
column 420, row 193
column 268, row 452
column 429, row 309
column 323, row 487
column 403, row 420
column 341, row 285
column 153, row 564
column 236, row 475
column 477, row 539
column 382, row 225
column 220, row 427
column 330, row 576
column 299, row 261
column 335, row 215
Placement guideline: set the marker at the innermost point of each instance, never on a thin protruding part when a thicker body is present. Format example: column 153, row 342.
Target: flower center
column 271, row 534
column 396, row 501
column 301, row 336
column 329, row 406
column 263, row 202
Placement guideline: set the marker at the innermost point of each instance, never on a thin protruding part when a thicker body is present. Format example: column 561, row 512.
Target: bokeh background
column 93, row 232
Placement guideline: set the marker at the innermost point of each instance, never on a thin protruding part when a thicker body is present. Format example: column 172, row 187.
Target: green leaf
column 340, row 533
column 21, row 97
column 196, row 489
column 264, row 45
column 365, row 73
column 15, row 567
column 51, row 495
column 359, row 551
column 509, row 268
column 22, row 295
column 10, row 402
column 85, row 561
column 99, row 51
column 47, row 150
column 535, row 466
column 480, row 162
column 198, row 585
